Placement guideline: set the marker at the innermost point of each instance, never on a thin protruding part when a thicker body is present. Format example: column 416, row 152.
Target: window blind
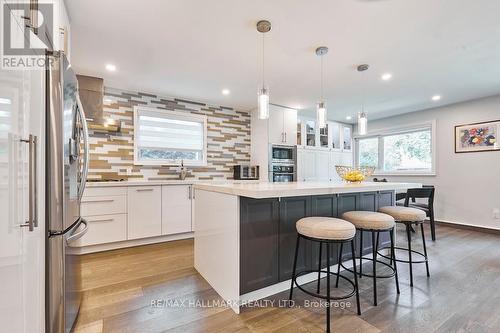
column 157, row 132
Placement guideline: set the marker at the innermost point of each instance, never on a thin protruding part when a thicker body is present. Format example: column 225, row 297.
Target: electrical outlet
column 496, row 213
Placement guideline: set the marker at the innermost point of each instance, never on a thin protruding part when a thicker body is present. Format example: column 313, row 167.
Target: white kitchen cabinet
column 60, row 35
column 104, row 229
column 335, row 159
column 310, row 133
column 105, row 210
column 290, row 126
column 317, row 164
column 347, row 138
column 334, row 135
column 103, row 205
column 282, row 125
column 22, row 252
column 275, row 125
column 176, row 209
column 306, row 165
column 144, row 211
column 322, row 162
column 347, row 158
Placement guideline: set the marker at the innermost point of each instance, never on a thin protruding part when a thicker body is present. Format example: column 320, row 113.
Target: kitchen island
column 245, row 233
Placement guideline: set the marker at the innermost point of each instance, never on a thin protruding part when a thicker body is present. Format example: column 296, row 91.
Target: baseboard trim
column 465, row 226
column 132, row 243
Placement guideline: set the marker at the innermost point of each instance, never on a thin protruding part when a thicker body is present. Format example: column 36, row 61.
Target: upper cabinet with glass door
column 340, row 136
column 335, row 136
column 310, row 126
column 323, row 137
column 346, row 137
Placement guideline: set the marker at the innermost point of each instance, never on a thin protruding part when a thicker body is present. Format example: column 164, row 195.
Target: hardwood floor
column 462, row 294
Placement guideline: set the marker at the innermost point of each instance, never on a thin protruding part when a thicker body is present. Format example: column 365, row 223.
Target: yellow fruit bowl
column 354, row 175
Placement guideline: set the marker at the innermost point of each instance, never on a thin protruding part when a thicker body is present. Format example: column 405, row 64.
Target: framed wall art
column 477, row 137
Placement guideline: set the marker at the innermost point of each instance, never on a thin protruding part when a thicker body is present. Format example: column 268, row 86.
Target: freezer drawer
column 104, row 229
column 103, row 205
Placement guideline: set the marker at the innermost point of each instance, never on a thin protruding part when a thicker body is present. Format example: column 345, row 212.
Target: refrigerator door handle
column 79, row 234
column 85, row 170
column 32, row 197
column 35, row 181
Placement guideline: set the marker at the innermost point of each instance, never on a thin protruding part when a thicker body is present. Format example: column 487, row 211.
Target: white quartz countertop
column 163, row 182
column 271, row 190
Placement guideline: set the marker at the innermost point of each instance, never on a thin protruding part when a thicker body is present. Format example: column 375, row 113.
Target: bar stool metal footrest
column 387, row 276
column 406, row 250
column 332, row 298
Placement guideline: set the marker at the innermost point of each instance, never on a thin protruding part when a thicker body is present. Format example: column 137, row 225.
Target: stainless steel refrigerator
column 67, row 155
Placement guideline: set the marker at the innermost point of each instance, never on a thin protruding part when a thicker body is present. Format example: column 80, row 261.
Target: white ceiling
column 195, row 48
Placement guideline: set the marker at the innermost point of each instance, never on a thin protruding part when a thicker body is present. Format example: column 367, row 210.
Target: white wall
column 467, row 185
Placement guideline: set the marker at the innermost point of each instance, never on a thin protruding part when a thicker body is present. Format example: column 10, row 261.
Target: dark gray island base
column 268, row 235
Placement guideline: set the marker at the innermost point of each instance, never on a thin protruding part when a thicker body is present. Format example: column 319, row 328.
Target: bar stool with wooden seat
column 375, row 223
column 409, row 216
column 328, row 231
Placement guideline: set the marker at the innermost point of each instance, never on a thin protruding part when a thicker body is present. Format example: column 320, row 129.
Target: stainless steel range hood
column 91, row 91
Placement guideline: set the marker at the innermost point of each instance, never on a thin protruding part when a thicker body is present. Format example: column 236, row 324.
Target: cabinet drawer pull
column 102, row 220
column 97, row 201
column 144, row 189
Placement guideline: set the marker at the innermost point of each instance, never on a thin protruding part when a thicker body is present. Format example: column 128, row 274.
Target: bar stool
column 375, row 223
column 409, row 216
column 328, row 231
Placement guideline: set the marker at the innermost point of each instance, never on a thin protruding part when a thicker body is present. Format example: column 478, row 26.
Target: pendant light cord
column 263, row 62
column 322, row 78
column 363, row 97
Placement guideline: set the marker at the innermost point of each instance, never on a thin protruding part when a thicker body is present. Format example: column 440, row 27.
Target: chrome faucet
column 183, row 171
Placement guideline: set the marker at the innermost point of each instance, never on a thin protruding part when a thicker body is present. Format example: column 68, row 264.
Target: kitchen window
column 399, row 151
column 169, row 138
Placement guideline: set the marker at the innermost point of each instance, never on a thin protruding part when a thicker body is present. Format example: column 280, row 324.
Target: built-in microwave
column 282, row 163
column 282, row 154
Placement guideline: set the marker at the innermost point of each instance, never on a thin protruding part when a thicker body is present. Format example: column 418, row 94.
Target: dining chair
column 426, row 192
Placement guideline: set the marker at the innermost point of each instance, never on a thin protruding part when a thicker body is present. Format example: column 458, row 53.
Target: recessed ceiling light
column 111, row 67
column 436, row 98
column 386, row 76
column 348, row 118
column 226, row 91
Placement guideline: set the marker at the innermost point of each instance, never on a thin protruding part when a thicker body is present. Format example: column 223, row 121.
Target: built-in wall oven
column 282, row 163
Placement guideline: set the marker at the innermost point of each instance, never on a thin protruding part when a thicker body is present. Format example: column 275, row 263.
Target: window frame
column 177, row 116
column 380, row 134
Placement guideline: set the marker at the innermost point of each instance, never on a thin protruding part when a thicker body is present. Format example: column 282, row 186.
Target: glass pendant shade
column 321, row 115
column 362, row 123
column 263, row 103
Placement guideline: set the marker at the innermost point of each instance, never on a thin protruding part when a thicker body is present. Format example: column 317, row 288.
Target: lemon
column 354, row 176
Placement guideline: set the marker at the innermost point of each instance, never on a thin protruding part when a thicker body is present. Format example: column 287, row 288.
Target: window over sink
column 164, row 137
column 398, row 151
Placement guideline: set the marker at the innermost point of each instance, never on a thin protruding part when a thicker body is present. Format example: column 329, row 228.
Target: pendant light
column 362, row 117
column 263, row 94
column 321, row 108
column 362, row 123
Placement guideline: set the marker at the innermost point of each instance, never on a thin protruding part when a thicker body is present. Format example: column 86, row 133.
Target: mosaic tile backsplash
column 112, row 154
